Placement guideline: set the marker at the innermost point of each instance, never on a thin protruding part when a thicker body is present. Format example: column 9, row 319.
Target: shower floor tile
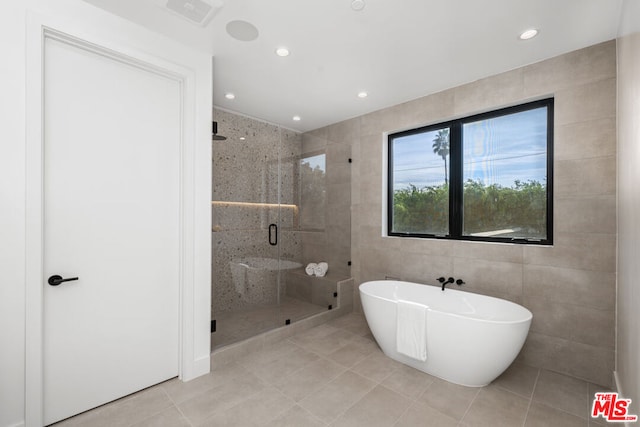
column 238, row 325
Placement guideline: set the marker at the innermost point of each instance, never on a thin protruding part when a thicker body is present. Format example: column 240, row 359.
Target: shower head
column 215, row 136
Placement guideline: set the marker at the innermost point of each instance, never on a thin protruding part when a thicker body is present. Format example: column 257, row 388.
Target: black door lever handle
column 55, row 280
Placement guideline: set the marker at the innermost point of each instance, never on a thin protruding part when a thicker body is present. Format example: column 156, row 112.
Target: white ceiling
column 396, row 50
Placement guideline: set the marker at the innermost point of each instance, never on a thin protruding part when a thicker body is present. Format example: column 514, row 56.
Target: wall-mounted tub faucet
column 446, row 282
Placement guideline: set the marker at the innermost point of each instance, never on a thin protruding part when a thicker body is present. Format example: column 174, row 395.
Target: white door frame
column 38, row 28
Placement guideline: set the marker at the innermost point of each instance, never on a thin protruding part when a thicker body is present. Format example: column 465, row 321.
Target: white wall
column 629, row 18
column 11, row 213
column 12, row 175
column 628, row 298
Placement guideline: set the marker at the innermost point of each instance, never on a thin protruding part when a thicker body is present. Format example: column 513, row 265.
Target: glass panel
column 324, row 230
column 245, row 291
column 420, row 167
column 505, row 176
column 291, row 264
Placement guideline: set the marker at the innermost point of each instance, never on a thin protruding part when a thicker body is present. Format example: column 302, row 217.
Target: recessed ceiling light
column 296, row 118
column 242, row 138
column 529, row 34
column 282, row 51
column 362, row 94
column 229, row 95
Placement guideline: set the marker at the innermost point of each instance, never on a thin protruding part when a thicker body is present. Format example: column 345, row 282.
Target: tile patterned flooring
column 335, row 375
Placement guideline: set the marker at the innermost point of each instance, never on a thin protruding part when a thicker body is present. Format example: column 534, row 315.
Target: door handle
column 273, row 234
column 55, row 280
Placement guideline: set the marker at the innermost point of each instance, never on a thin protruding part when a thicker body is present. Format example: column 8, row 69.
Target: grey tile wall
column 569, row 287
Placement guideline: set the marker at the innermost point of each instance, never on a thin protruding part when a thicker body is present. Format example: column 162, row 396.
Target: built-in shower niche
column 278, row 202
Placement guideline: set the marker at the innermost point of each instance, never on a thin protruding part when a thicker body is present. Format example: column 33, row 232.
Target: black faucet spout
column 449, row 280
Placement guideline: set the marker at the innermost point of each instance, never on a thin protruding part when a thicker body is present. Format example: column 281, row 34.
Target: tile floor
column 335, row 375
column 238, row 325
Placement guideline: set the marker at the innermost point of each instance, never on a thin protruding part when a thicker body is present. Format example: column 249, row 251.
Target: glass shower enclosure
column 269, row 198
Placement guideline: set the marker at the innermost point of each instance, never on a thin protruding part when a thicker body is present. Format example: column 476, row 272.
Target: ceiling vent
column 197, row 12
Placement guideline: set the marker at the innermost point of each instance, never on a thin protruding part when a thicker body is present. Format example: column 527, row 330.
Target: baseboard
column 200, row 367
column 618, row 389
column 616, row 383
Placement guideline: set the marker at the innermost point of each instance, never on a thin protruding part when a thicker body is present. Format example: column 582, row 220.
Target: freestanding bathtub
column 470, row 339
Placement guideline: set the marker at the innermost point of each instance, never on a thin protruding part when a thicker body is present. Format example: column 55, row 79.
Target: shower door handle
column 273, row 234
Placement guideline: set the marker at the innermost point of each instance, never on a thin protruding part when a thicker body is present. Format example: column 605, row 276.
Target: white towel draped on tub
column 411, row 334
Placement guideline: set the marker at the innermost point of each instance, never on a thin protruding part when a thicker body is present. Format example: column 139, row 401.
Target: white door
column 112, row 219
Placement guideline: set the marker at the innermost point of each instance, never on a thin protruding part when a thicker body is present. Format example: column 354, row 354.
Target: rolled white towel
column 310, row 269
column 321, row 269
column 324, row 266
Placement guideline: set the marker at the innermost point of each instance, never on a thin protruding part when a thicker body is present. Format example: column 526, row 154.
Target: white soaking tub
column 470, row 339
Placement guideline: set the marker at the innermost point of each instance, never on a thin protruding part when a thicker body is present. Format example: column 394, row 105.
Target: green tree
column 520, row 208
column 441, row 148
column 313, row 196
column 421, row 210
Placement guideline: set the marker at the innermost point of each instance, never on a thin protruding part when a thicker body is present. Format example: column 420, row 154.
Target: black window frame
column 456, row 184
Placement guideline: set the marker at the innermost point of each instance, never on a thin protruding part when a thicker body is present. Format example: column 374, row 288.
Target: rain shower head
column 215, row 136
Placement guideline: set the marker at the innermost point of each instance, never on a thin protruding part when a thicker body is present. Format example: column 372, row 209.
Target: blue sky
column 496, row 151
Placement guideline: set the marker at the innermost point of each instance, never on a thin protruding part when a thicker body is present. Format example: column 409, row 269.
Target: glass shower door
column 246, row 233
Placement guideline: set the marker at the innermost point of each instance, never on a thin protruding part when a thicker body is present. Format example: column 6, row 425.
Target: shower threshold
column 238, row 325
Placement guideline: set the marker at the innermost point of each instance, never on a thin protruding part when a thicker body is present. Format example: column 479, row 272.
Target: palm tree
column 441, row 148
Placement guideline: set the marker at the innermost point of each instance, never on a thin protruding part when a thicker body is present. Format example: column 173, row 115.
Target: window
column 486, row 177
column 313, row 191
